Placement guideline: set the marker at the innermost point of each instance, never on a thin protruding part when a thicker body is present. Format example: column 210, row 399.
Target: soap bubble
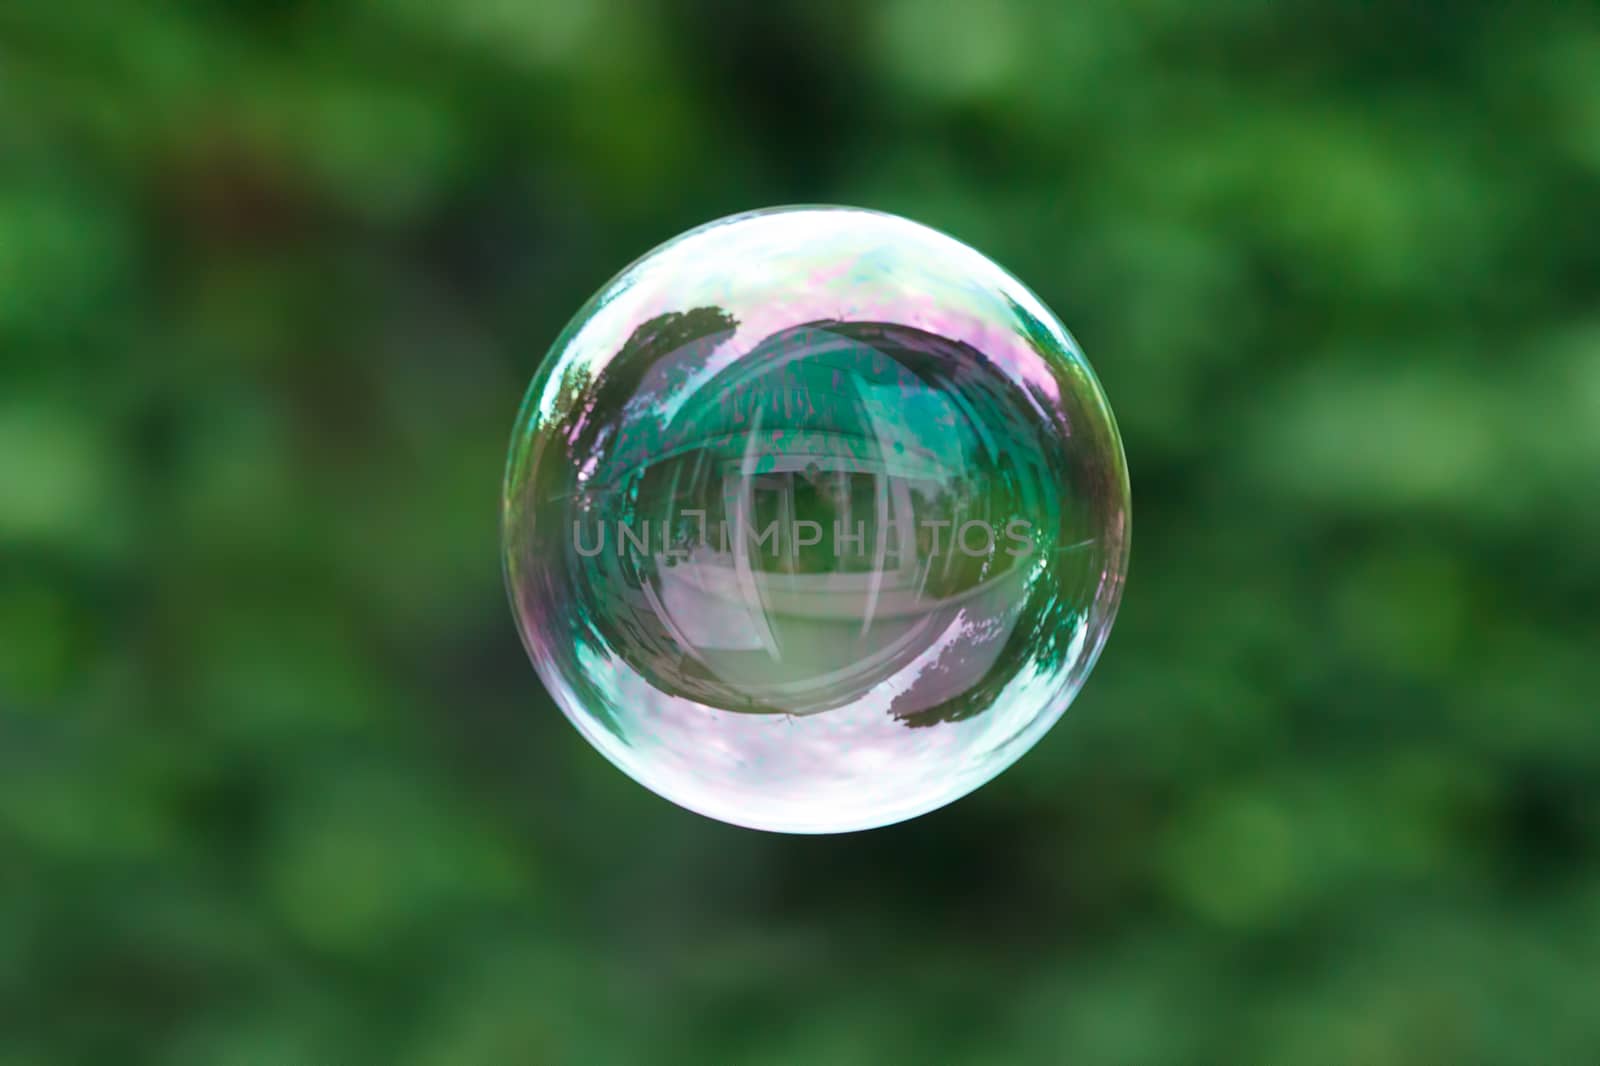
column 815, row 520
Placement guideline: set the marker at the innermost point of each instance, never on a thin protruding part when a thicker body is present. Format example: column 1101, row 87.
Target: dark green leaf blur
column 278, row 786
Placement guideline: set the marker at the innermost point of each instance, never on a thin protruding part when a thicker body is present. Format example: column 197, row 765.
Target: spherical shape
column 815, row 519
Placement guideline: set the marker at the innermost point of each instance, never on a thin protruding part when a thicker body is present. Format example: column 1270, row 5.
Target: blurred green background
column 278, row 786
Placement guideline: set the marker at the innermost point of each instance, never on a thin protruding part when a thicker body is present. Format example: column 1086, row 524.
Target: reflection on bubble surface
column 814, row 520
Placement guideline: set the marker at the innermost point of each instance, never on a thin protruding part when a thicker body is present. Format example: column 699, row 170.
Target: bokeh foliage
column 277, row 784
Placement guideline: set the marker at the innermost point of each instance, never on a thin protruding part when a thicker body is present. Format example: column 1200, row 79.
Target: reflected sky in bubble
column 815, row 520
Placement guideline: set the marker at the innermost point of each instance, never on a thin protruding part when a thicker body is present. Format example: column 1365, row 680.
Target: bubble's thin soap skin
column 815, row 520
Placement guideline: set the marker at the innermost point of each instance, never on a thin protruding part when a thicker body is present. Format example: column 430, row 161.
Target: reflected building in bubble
column 801, row 523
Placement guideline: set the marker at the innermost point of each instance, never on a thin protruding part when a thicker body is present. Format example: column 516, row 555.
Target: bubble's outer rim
column 1107, row 603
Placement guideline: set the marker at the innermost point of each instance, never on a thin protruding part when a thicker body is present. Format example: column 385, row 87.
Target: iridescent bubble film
column 815, row 519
